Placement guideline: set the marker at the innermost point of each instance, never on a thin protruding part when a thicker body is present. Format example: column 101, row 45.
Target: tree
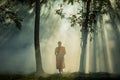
column 88, row 18
column 84, row 37
column 9, row 16
column 85, row 28
column 91, row 11
column 36, row 38
column 7, row 13
column 14, row 17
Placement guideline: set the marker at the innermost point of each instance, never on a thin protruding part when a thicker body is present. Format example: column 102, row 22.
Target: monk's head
column 59, row 43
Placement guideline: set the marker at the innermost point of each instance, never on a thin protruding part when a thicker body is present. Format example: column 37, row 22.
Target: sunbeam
column 86, row 52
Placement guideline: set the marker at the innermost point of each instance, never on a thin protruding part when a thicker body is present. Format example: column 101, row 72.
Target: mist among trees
column 30, row 30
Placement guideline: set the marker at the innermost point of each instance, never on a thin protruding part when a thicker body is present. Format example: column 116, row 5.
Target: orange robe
column 60, row 52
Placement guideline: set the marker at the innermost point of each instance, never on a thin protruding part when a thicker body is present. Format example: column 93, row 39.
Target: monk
column 60, row 52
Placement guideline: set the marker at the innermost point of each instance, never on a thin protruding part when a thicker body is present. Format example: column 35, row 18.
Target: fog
column 17, row 47
column 55, row 29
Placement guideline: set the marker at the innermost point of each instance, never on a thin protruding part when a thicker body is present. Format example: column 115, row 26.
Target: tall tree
column 36, row 38
column 6, row 13
column 85, row 29
column 84, row 36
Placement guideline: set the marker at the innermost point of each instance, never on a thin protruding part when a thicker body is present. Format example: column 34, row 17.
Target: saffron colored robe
column 60, row 52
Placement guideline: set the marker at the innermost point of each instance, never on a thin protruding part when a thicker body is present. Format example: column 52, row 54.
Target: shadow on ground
column 72, row 76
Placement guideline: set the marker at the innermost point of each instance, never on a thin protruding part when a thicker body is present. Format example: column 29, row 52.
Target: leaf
column 70, row 2
column 72, row 25
column 64, row 0
column 7, row 16
column 18, row 24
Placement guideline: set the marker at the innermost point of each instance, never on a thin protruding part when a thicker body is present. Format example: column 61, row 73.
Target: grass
column 72, row 76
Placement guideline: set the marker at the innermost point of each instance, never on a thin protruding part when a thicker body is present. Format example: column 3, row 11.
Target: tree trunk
column 84, row 38
column 36, row 38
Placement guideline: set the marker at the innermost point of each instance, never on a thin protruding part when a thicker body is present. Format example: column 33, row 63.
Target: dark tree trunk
column 84, row 38
column 36, row 38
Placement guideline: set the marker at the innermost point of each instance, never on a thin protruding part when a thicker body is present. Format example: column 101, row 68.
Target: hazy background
column 17, row 47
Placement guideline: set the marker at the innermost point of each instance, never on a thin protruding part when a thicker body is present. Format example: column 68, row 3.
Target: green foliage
column 27, row 1
column 99, row 7
column 8, row 16
column 118, row 4
column 73, row 21
column 60, row 12
column 18, row 23
column 84, row 0
column 64, row 0
column 71, row 1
